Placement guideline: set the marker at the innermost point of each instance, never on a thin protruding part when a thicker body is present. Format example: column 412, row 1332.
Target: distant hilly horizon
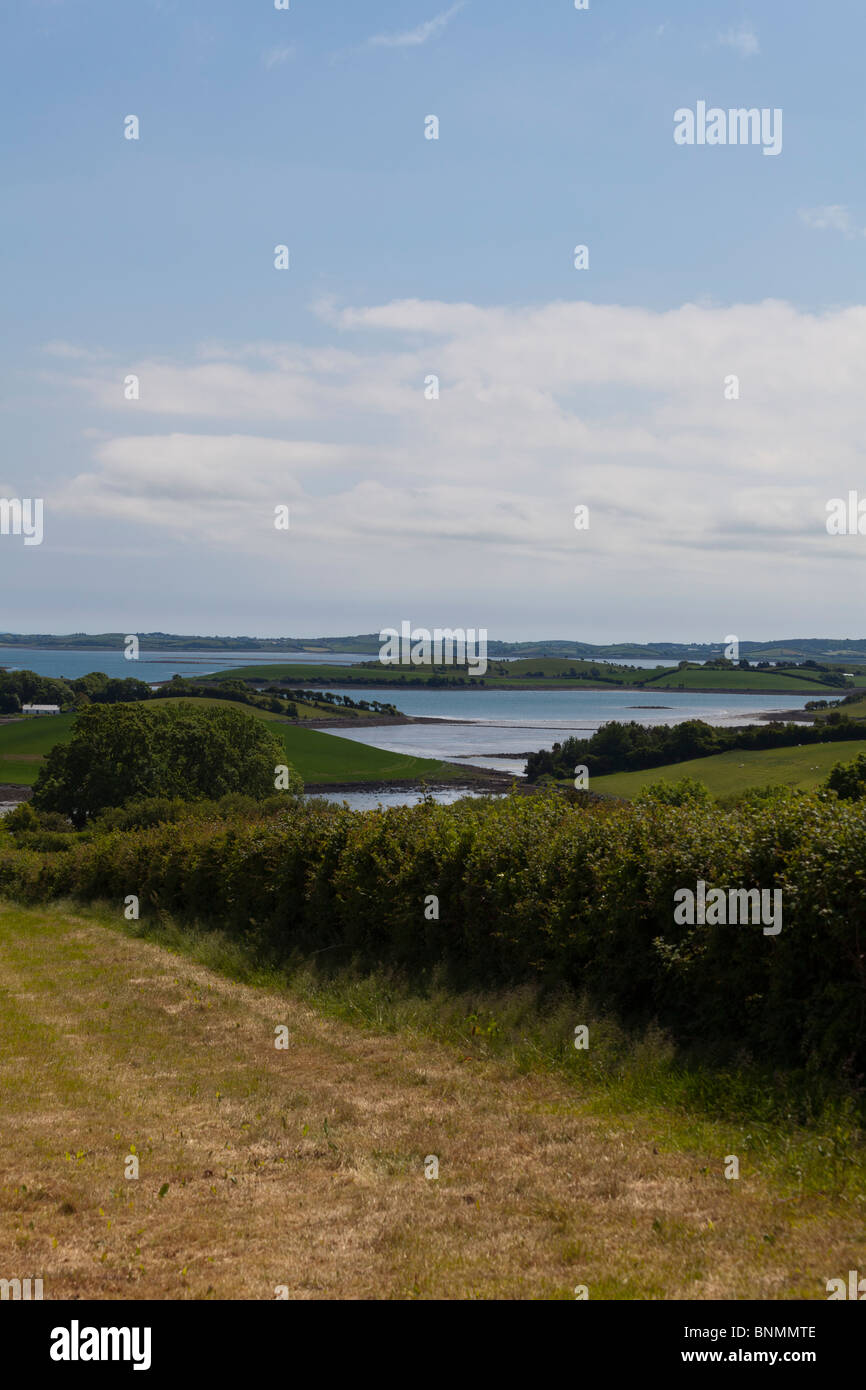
column 361, row 644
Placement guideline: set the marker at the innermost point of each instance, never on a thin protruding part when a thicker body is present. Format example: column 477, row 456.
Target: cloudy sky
column 413, row 258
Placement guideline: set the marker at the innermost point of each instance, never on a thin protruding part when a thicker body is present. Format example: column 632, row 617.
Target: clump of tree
column 848, row 780
column 129, row 752
column 19, row 688
column 330, row 697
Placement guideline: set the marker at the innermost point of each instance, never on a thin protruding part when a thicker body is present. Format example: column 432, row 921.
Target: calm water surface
column 155, row 665
column 368, row 801
column 514, row 722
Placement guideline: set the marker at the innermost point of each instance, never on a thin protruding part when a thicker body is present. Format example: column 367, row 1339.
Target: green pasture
column 727, row 774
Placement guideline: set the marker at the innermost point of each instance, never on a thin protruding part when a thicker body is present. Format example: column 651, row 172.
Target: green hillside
column 326, row 758
column 726, row 774
column 699, row 678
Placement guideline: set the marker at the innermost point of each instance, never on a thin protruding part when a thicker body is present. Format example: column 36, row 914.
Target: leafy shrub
column 138, row 815
column 22, row 817
column 163, row 810
column 688, row 791
column 50, row 841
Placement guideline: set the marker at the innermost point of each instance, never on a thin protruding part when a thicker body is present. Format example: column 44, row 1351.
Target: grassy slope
column 305, row 1167
column 306, row 710
column 727, row 773
column 205, row 700
column 326, row 758
column 320, row 758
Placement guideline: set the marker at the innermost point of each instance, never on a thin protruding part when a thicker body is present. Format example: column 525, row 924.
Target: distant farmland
column 548, row 672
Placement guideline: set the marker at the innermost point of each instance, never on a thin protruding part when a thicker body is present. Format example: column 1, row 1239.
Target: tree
column 117, row 692
column 122, row 753
column 92, row 685
column 848, row 780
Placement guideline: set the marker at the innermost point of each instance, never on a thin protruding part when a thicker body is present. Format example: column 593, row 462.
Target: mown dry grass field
column 304, row 1168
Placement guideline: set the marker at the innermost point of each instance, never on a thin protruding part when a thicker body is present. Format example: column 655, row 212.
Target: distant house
column 40, row 709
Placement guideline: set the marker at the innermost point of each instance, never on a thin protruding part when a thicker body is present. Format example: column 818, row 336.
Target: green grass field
column 541, row 671
column 770, row 681
column 24, row 743
column 326, row 758
column 726, row 774
column 856, row 710
column 320, row 758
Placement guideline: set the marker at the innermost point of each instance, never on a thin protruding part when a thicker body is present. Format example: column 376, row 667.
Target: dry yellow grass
column 304, row 1168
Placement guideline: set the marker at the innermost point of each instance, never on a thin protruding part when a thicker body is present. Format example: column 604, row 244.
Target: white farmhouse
column 40, row 709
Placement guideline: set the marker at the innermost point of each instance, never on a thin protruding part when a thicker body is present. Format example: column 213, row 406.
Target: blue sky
column 258, row 387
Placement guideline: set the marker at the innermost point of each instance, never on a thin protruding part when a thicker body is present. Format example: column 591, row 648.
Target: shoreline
column 10, row 791
column 821, row 692
column 375, row 721
column 788, row 716
column 493, row 782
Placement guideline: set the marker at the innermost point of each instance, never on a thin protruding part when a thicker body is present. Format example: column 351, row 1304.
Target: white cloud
column 834, row 217
column 59, row 348
column 274, row 57
column 693, row 499
column 410, row 38
column 743, row 39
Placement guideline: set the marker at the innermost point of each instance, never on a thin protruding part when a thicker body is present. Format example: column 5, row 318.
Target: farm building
column 40, row 709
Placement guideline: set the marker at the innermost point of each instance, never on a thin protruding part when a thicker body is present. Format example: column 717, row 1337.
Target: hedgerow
column 530, row 888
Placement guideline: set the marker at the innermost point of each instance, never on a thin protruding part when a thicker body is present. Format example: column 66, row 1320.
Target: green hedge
column 532, row 888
